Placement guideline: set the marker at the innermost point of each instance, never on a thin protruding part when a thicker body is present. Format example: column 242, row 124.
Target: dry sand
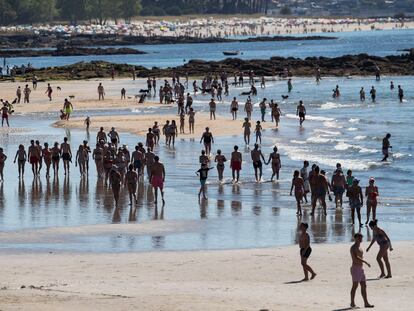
column 258, row 279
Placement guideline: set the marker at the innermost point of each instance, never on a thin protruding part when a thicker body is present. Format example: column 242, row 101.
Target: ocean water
column 381, row 43
column 246, row 215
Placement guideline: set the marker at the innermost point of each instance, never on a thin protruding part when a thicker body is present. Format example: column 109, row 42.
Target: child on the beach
column 258, row 131
column 203, row 173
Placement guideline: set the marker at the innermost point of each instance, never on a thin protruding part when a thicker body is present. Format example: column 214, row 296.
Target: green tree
column 130, row 9
column 72, row 10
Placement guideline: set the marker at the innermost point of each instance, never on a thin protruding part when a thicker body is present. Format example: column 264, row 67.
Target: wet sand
column 254, row 279
column 139, row 124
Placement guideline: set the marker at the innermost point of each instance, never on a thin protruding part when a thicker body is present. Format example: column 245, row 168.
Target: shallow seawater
column 235, row 216
column 380, row 43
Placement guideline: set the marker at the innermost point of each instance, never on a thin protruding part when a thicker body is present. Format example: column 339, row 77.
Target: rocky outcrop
column 69, row 51
column 348, row 65
column 52, row 40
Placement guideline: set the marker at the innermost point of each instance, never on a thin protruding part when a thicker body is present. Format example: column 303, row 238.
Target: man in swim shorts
column 305, row 251
column 301, row 112
column 338, row 184
column 236, row 164
column 158, row 178
column 357, row 271
column 257, row 156
column 386, row 146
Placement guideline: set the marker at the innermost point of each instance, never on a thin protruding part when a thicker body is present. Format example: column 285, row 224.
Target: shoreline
column 252, row 279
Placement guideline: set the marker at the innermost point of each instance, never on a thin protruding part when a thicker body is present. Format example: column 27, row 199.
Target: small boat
column 231, row 53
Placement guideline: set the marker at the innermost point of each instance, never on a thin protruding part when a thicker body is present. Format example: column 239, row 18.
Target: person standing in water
column 298, row 184
column 386, row 145
column 234, row 107
column 131, row 181
column 362, row 94
column 384, row 243
column 258, row 132
column 203, row 173
column 276, row 113
column 3, row 159
column 371, row 192
column 357, row 271
column 257, row 156
column 66, row 154
column 338, row 184
column 262, row 106
column 47, row 158
column 220, row 160
column 305, row 251
column 212, row 106
column 274, row 157
column 301, row 112
column 208, row 139
column 321, row 188
column 246, row 133
column 236, row 164
column 21, row 157
column 115, row 180
column 157, row 178
column 356, row 200
column 248, row 108
column 400, row 93
column 289, row 85
column 373, row 93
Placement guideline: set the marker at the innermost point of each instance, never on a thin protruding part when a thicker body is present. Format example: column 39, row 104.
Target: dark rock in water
column 69, row 51
column 347, row 65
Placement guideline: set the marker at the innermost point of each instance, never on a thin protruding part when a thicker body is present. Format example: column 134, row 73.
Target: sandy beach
column 255, row 279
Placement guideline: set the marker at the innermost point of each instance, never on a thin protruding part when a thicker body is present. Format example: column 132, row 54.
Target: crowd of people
column 119, row 167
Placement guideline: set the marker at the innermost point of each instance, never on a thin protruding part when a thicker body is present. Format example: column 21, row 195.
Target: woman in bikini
column 384, row 243
column 298, row 184
column 371, row 192
column 220, row 159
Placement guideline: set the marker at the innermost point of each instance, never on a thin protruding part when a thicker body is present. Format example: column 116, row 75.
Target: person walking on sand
column 220, row 160
column 246, row 133
column 386, row 145
column 372, row 193
column 208, row 139
column 18, row 94
column 234, row 107
column 305, row 250
column 212, row 106
column 5, row 114
column 236, row 164
column 123, row 93
column 26, row 93
column 191, row 120
column 101, row 92
column 356, row 200
column 384, row 243
column 357, row 271
column 21, row 157
column 298, row 184
column 131, row 181
column 257, row 156
column 49, row 92
column 301, row 112
column 157, row 178
column 274, row 157
column 203, row 173
column 67, row 108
